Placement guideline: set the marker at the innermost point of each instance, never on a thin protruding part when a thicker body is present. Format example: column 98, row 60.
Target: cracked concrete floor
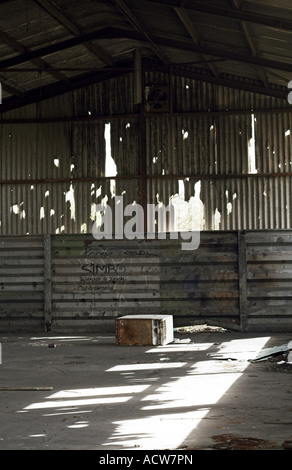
column 83, row 392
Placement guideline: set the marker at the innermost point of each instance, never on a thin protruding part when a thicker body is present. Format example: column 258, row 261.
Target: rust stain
column 229, row 442
column 134, row 333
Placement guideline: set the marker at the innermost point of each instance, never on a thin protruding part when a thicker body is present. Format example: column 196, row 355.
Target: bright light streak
column 180, row 347
column 243, row 349
column 80, row 424
column 90, row 392
column 68, row 413
column 163, row 431
column 91, row 401
column 154, row 365
column 191, row 391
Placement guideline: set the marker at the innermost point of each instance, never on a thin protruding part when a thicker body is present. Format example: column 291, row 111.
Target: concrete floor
column 177, row 396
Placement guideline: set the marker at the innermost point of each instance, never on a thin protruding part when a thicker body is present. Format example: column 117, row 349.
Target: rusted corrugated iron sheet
column 49, row 168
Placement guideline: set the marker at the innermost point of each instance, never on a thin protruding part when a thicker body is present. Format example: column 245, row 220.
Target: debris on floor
column 201, row 328
column 184, row 341
column 287, row 445
column 229, row 442
column 283, row 351
column 281, row 354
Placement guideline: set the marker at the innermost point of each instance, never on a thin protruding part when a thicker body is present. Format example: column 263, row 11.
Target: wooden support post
column 143, row 170
column 47, row 283
column 242, row 279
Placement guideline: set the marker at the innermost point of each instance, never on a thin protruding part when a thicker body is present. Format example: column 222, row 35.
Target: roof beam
column 168, row 42
column 134, row 20
column 56, row 89
column 17, row 46
column 49, row 91
column 231, row 83
column 53, row 10
column 11, row 89
column 216, row 51
column 228, row 13
column 182, row 14
column 246, row 27
column 53, row 48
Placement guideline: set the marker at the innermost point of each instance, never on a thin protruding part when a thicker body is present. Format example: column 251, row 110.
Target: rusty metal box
column 144, row 330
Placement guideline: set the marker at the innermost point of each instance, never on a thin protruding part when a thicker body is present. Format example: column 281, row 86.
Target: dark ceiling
column 50, row 47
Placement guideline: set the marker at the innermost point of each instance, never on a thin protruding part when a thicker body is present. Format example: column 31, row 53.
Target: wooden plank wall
column 201, row 285
column 93, row 281
column 240, row 280
column 21, row 283
column 269, row 279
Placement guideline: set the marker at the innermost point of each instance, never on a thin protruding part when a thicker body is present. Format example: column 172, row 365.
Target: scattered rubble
column 287, row 445
column 279, row 354
column 201, row 328
column 282, row 354
column 229, row 442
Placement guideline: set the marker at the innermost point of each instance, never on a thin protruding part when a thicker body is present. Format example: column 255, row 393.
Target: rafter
column 231, row 83
column 11, row 89
column 134, row 20
column 53, row 10
column 182, row 14
column 49, row 91
column 229, row 13
column 215, row 50
column 53, row 48
column 246, row 27
column 56, row 89
column 167, row 42
column 17, row 46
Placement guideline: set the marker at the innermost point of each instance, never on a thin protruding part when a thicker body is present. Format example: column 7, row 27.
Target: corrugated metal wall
column 53, row 168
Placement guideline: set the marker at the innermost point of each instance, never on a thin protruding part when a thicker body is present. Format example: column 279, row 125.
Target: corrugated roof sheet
column 153, row 26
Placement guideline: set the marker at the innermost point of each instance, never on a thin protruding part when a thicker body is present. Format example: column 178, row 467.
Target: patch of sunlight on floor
column 180, row 347
column 79, row 424
column 190, row 398
column 61, row 413
column 241, row 349
column 73, row 338
column 151, row 366
column 79, row 402
column 102, row 395
column 163, row 431
column 96, row 391
column 191, row 391
column 168, row 408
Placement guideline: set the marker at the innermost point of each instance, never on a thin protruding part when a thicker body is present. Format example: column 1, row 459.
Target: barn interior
column 146, row 164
